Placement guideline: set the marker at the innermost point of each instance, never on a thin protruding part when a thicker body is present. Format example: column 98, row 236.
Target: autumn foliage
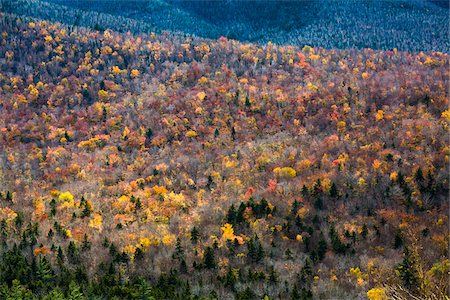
column 279, row 169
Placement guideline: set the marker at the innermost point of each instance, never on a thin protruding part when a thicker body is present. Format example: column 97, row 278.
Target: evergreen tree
column 86, row 244
column 53, row 207
column 247, row 101
column 306, row 272
column 74, row 292
column 179, row 251
column 87, row 210
column 142, row 290
column 138, row 254
column 231, row 215
column 273, row 276
column 194, row 235
column 60, row 256
column 138, row 204
column 4, row 228
column 398, row 240
column 305, row 192
column 364, row 231
column 72, row 253
column 209, row 259
column 333, row 191
column 322, row 247
column 336, row 243
column 318, row 203
column 183, row 266
column 9, row 196
column 407, row 272
column 149, row 134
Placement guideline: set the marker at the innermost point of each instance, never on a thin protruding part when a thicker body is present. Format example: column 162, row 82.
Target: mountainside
column 165, row 166
column 406, row 25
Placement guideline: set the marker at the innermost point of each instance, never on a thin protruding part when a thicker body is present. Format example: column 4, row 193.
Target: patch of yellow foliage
column 201, row 96
column 314, row 57
column 393, row 176
column 168, row 239
column 377, row 294
column 66, row 196
column 228, row 231
column 160, row 190
column 302, row 212
column 96, row 222
column 380, row 115
column 229, row 163
column 116, row 70
column 8, row 214
column 376, row 164
column 308, row 49
column 341, row 126
column 175, row 200
column 102, row 94
column 135, row 73
column 312, row 87
column 191, row 133
column 285, row 172
column 446, row 115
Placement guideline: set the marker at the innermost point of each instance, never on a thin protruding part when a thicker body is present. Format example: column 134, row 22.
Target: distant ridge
column 405, row 25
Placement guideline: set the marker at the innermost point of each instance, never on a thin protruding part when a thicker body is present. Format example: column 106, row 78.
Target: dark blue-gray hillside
column 415, row 25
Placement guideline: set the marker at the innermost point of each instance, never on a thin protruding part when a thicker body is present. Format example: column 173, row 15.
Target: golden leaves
column 377, row 294
column 125, row 133
column 8, row 214
column 446, row 115
column 96, row 222
column 285, row 172
column 393, row 176
column 34, row 93
column 102, row 94
column 229, row 163
column 341, row 126
column 39, row 208
column 312, row 87
column 308, row 49
column 227, row 231
column 303, row 212
column 174, row 200
column 168, row 240
column 201, row 96
column 98, row 141
column 135, row 73
column 376, row 164
column 191, row 133
column 116, row 70
column 41, row 251
column 66, row 196
column 379, row 116
column 160, row 190
column 359, row 275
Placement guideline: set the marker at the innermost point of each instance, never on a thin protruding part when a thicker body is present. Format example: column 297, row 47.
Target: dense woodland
column 408, row 25
column 157, row 166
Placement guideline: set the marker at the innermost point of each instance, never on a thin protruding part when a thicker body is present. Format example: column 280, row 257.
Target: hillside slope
column 406, row 25
column 140, row 166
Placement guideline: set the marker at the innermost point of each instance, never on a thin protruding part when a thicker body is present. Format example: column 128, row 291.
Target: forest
column 164, row 165
column 408, row 25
